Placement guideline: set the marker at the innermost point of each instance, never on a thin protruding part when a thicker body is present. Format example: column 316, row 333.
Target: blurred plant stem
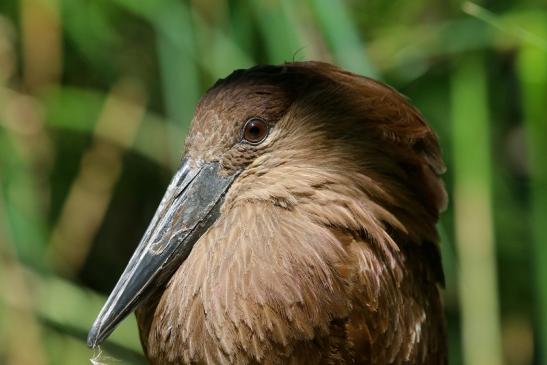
column 342, row 36
column 473, row 213
column 77, row 110
column 19, row 329
column 178, row 68
column 41, row 33
column 506, row 26
column 279, row 40
column 20, row 334
column 25, row 161
column 532, row 67
column 100, row 168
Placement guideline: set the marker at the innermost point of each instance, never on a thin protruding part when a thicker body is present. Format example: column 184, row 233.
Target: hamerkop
column 299, row 228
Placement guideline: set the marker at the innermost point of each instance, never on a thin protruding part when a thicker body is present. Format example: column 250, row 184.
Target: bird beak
column 189, row 207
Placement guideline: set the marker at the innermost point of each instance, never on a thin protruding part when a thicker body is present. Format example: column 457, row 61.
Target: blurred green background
column 96, row 96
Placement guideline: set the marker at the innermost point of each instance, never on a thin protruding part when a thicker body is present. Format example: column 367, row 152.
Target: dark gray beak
column 190, row 205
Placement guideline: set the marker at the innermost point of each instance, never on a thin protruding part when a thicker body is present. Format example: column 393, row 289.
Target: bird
column 300, row 228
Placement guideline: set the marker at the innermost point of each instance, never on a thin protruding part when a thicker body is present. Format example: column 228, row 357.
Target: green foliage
column 96, row 97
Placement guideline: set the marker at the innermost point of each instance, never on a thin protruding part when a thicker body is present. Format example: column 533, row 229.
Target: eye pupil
column 255, row 130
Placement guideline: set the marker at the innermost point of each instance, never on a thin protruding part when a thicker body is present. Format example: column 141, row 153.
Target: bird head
column 345, row 150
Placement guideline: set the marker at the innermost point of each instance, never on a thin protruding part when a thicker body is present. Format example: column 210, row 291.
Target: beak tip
column 93, row 338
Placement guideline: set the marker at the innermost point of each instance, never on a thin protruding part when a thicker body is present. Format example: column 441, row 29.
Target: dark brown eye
column 255, row 130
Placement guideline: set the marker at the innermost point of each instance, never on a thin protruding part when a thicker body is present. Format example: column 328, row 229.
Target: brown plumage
column 325, row 250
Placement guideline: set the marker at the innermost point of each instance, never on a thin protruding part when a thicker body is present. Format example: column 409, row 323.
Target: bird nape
column 300, row 228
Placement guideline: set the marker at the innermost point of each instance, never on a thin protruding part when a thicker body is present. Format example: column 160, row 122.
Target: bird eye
column 255, row 130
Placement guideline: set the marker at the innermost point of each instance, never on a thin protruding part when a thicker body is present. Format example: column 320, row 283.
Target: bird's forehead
column 223, row 110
